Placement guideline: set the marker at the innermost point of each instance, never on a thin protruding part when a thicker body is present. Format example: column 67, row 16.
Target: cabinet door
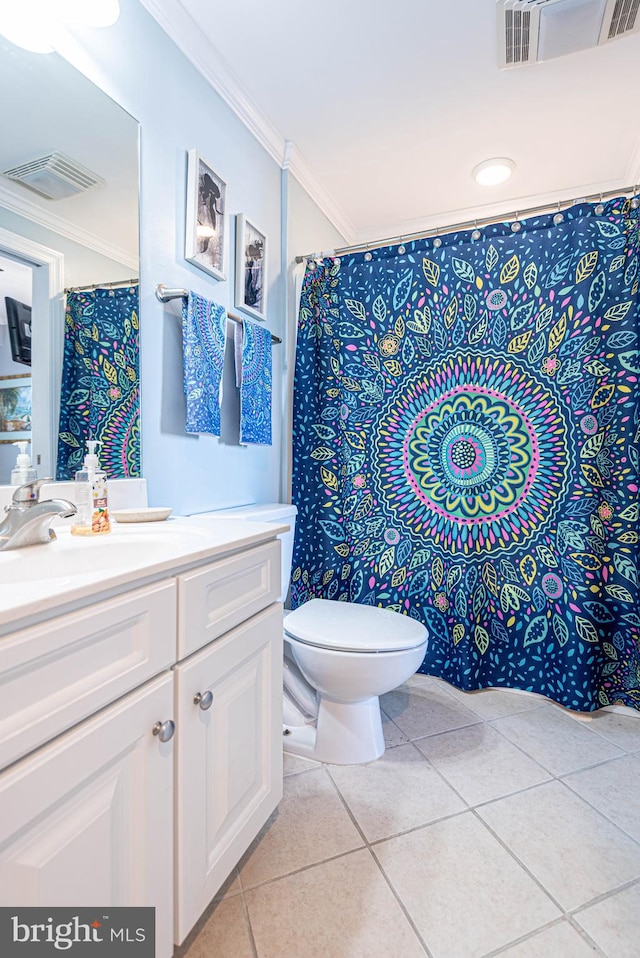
column 58, row 673
column 87, row 820
column 229, row 757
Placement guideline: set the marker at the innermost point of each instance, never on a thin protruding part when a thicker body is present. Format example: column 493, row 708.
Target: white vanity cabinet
column 100, row 804
column 228, row 756
column 87, row 820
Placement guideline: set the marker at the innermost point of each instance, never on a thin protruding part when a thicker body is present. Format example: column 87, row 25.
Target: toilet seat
column 347, row 627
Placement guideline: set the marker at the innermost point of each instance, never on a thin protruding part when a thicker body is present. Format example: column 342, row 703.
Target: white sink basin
column 71, row 555
column 41, row 577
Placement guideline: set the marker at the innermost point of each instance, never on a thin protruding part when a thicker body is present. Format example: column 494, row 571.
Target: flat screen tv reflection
column 19, row 320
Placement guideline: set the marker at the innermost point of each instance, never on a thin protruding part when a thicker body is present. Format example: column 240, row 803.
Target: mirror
column 83, row 233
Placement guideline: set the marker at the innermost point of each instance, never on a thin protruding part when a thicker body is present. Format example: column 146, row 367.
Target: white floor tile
column 225, row 934
column 480, row 763
column 292, row 764
column 614, row 789
column 340, row 909
column 614, row 924
column 392, row 734
column 310, row 825
column 572, row 850
column 399, row 791
column 559, row 941
column 556, row 741
column 496, row 703
column 420, row 708
column 465, row 893
column 622, row 730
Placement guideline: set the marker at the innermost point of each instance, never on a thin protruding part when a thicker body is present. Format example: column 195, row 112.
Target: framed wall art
column 205, row 241
column 15, row 408
column 251, row 268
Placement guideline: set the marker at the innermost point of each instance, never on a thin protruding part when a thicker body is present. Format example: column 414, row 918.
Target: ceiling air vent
column 624, row 18
column 54, row 176
column 533, row 30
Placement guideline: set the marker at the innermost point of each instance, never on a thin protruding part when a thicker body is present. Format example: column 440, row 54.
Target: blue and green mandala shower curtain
column 466, row 449
column 100, row 395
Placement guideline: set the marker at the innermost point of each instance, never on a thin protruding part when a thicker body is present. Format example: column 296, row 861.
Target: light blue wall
column 137, row 64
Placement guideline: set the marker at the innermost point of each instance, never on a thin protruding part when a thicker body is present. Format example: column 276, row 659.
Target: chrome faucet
column 28, row 517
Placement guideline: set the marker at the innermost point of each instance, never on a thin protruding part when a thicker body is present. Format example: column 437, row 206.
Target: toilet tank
column 278, row 512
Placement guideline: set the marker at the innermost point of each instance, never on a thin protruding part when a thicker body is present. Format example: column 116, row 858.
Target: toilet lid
column 348, row 627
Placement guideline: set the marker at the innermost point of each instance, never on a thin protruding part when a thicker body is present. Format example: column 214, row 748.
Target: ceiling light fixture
column 494, row 171
column 31, row 23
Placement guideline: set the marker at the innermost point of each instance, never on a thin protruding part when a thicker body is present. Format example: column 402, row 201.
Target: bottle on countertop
column 91, row 497
column 23, row 471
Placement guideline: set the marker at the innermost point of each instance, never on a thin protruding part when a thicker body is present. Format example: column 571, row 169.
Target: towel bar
column 164, row 294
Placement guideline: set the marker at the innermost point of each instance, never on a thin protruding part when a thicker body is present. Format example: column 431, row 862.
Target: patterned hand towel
column 254, row 376
column 203, row 339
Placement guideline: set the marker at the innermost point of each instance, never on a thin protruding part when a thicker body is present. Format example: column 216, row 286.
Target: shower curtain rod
column 467, row 224
column 116, row 282
column 164, row 294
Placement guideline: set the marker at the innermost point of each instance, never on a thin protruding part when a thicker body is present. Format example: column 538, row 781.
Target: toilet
column 338, row 658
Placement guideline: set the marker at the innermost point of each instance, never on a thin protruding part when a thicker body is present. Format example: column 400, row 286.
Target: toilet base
column 343, row 734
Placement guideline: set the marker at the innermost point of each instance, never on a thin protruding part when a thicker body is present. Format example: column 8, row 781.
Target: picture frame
column 15, row 408
column 205, row 240
column 251, row 268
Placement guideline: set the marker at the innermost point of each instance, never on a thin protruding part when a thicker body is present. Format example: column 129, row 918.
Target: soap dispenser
column 91, row 496
column 23, row 471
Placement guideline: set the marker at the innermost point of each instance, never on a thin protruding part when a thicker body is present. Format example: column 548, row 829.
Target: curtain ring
column 401, row 249
column 599, row 210
column 368, row 256
column 516, row 226
column 559, row 217
column 437, row 243
column 635, row 202
column 476, row 232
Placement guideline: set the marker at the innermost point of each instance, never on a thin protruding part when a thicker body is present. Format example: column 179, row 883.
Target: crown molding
column 58, row 224
column 307, row 179
column 403, row 229
column 203, row 55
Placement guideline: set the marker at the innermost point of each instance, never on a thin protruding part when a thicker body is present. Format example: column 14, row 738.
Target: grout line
column 303, row 868
column 346, row 806
column 556, row 775
column 513, row 855
column 604, row 761
column 599, row 811
column 379, row 866
column 247, row 921
column 587, row 938
column 553, row 924
column 471, row 805
column 603, row 897
column 401, row 904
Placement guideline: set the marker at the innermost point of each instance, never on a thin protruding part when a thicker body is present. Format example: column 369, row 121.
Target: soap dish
column 141, row 515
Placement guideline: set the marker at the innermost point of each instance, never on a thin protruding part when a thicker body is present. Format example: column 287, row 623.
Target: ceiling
column 390, row 105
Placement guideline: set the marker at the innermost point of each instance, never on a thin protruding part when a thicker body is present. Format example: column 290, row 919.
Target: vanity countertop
column 41, row 580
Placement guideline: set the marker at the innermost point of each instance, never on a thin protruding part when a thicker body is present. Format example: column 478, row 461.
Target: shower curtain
column 100, row 396
column 465, row 448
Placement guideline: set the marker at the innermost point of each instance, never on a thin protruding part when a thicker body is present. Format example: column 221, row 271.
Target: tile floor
column 494, row 824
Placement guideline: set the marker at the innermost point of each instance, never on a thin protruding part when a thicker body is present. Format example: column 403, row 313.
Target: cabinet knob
column 203, row 699
column 164, row 730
